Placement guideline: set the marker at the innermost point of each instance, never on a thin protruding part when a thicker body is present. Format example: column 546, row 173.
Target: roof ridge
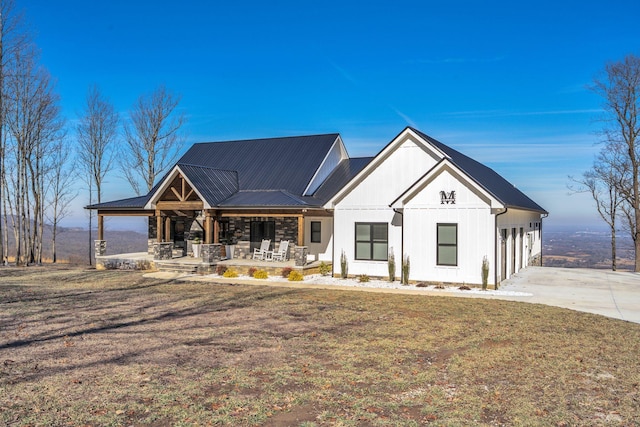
column 336, row 134
column 206, row 167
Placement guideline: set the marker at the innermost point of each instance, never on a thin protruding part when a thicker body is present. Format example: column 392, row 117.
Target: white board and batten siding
column 469, row 210
column 319, row 251
column 368, row 202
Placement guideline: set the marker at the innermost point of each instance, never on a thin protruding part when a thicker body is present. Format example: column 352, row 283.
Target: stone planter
column 196, row 249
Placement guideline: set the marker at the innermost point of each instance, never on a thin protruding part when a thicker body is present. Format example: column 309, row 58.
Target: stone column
column 211, row 253
column 300, row 255
column 100, row 247
column 162, row 250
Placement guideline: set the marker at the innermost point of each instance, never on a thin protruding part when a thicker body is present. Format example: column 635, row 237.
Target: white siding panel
column 319, row 251
column 391, row 178
column 333, row 159
column 344, row 240
column 471, row 213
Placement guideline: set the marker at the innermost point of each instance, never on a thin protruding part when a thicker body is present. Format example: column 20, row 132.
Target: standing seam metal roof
column 490, row 180
column 265, row 164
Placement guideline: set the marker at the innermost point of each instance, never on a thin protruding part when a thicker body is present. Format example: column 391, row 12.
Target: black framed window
column 316, row 231
column 372, row 240
column 447, row 244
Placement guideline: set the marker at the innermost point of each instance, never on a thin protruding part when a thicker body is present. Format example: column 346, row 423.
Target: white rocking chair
column 261, row 253
column 281, row 253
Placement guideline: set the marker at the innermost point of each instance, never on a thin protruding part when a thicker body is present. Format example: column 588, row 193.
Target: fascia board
column 413, row 190
column 151, row 204
column 343, row 155
column 378, row 159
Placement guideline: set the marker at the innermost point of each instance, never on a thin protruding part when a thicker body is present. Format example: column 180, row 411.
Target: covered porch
column 188, row 264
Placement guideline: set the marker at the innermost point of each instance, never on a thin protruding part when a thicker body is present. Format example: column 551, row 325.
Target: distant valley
column 575, row 247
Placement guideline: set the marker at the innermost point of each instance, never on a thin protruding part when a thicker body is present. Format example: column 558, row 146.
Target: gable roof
column 267, row 172
column 287, row 163
column 486, row 177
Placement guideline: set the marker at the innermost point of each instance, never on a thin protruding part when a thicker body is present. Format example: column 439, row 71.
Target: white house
column 446, row 212
column 416, row 198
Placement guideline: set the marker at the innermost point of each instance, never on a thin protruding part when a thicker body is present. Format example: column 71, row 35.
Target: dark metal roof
column 486, row 177
column 130, row 203
column 287, row 163
column 341, row 175
column 267, row 198
column 214, row 185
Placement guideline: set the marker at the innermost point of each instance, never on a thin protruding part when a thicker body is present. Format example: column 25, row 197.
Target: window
column 371, row 241
column 316, row 232
column 447, row 244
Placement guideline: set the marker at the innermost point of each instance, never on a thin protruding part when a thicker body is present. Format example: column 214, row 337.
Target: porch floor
column 145, row 261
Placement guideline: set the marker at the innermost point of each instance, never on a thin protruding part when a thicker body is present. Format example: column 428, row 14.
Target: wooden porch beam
column 301, row 230
column 159, row 225
column 194, row 205
column 167, row 228
column 125, row 213
column 100, row 227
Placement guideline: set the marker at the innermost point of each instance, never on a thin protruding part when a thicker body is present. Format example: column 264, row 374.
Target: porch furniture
column 260, row 253
column 281, row 253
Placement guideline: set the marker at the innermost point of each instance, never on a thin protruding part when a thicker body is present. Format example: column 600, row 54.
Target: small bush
column 406, row 266
column 344, row 265
column 324, row 268
column 286, row 271
column 221, row 269
column 391, row 264
column 363, row 278
column 230, row 273
column 252, row 271
column 464, row 288
column 260, row 274
column 295, row 276
column 485, row 272
column 422, row 285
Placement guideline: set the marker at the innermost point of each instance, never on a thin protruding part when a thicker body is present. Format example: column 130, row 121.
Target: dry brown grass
column 81, row 347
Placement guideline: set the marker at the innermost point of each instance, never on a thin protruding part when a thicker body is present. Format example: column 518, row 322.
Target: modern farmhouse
column 416, row 198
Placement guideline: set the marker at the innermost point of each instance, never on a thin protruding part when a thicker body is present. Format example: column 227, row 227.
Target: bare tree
column 96, row 145
column 61, row 191
column 34, row 122
column 12, row 38
column 602, row 182
column 619, row 86
column 152, row 138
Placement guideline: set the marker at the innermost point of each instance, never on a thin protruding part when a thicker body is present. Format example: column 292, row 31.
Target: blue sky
column 503, row 82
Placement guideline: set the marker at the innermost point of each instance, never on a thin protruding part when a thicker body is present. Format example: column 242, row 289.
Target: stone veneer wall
column 286, row 228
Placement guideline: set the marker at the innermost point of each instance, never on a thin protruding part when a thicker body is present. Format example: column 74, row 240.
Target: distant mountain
column 73, row 243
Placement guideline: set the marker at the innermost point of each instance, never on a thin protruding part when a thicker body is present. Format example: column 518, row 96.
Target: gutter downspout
column 401, row 239
column 495, row 251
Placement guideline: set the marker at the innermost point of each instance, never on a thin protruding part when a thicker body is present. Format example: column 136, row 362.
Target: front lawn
column 81, row 347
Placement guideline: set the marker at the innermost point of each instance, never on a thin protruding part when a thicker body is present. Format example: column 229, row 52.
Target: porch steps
column 176, row 267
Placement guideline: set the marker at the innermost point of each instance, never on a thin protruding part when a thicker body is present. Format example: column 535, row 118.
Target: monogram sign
column 448, row 198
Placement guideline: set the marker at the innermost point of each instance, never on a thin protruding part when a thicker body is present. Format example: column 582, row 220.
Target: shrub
column 422, row 285
column 295, row 276
column 260, row 274
column 286, row 271
column 485, row 273
column 230, row 273
column 324, row 268
column 363, row 278
column 391, row 263
column 464, row 288
column 405, row 270
column 252, row 271
column 220, row 269
column 344, row 265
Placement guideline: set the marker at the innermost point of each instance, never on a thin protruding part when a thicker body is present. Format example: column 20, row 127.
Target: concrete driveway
column 609, row 293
